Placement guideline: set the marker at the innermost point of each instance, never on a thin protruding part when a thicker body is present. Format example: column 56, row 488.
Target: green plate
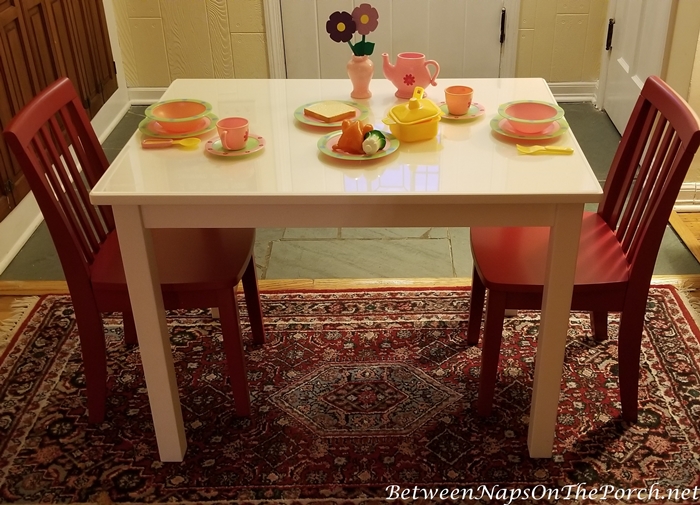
column 500, row 125
column 326, row 143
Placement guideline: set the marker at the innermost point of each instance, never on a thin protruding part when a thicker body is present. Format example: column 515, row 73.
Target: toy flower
column 342, row 25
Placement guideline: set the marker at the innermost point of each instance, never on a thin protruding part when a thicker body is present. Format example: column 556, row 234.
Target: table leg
column 153, row 336
column 551, row 342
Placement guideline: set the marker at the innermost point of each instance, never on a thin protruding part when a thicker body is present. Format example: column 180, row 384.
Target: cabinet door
column 101, row 58
column 40, row 38
column 18, row 84
column 66, row 45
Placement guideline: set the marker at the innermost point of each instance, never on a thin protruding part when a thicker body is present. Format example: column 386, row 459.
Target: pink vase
column 360, row 71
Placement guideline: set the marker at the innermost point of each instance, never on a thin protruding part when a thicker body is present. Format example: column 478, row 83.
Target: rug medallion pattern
column 354, row 391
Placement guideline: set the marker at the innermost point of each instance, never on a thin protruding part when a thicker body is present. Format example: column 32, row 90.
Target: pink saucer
column 507, row 127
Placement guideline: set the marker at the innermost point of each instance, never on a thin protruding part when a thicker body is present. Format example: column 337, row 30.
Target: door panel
column 80, row 27
column 638, row 48
column 65, row 47
column 100, row 49
column 39, row 37
column 17, row 87
column 462, row 36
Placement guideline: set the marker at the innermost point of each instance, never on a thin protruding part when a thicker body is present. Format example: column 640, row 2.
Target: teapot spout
column 387, row 67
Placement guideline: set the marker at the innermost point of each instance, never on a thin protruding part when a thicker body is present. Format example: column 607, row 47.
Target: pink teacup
column 233, row 132
column 458, row 99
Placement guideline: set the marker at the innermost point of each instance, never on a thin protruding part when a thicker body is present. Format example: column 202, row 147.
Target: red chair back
column 650, row 164
column 57, row 148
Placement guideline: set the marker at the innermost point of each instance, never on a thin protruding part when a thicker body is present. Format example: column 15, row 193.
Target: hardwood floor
column 10, row 291
column 687, row 226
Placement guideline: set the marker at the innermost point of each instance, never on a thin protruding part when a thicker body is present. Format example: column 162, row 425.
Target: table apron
column 344, row 215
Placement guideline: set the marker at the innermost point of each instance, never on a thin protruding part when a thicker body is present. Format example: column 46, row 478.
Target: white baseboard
column 567, row 92
column 145, row 96
column 17, row 227
column 688, row 198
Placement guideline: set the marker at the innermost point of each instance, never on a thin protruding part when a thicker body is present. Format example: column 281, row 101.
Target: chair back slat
column 619, row 181
column 647, row 177
column 61, row 157
column 90, row 216
column 64, row 183
column 650, row 164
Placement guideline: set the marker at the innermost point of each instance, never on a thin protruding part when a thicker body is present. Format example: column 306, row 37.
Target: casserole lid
column 416, row 110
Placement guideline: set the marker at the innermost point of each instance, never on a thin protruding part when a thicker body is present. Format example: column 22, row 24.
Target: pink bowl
column 180, row 115
column 531, row 117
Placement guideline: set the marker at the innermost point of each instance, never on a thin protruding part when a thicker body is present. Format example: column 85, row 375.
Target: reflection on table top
column 466, row 160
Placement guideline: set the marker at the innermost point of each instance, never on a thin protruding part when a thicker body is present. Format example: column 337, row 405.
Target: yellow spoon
column 544, row 149
column 188, row 143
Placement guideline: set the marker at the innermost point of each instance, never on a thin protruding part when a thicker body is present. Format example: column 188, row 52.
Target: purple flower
column 341, row 26
column 366, row 18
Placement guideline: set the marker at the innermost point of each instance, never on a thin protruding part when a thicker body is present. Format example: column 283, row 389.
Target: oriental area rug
column 358, row 397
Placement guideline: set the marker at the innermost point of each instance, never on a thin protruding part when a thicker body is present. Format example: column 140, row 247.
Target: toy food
column 350, row 141
column 329, row 111
column 373, row 141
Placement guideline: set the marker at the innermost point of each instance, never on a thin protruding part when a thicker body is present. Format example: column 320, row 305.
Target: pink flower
column 366, row 18
column 409, row 80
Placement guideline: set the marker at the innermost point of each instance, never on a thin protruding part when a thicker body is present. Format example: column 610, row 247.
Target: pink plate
column 254, row 144
column 508, row 128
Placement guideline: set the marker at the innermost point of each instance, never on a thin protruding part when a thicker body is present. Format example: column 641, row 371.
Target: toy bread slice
column 329, row 111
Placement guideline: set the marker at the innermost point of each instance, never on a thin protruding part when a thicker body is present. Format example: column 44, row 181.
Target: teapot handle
column 437, row 70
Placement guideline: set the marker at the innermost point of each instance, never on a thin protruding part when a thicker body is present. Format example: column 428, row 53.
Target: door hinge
column 8, row 187
column 114, row 64
column 608, row 39
column 503, row 25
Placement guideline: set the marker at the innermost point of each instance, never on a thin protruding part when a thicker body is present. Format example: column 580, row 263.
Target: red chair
column 617, row 249
column 198, row 268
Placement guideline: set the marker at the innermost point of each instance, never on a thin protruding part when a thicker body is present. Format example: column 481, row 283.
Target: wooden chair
column 617, row 250
column 52, row 139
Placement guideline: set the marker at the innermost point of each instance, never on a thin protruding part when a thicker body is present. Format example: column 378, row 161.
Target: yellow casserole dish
column 415, row 120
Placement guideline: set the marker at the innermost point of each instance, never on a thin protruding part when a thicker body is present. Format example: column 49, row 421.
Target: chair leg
column 252, row 301
column 599, row 324
column 476, row 309
column 130, row 336
column 233, row 346
column 629, row 353
column 490, row 353
column 94, row 351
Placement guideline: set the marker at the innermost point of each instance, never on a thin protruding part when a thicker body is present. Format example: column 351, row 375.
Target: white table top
column 465, row 163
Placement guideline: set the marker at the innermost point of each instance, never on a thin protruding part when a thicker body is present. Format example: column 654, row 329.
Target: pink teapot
column 411, row 70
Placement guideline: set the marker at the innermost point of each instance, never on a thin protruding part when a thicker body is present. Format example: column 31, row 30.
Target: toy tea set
column 181, row 122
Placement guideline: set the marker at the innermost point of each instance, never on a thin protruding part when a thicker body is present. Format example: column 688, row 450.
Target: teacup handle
column 437, row 70
column 222, row 137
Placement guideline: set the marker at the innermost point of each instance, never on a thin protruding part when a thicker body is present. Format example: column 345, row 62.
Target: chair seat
column 188, row 259
column 514, row 259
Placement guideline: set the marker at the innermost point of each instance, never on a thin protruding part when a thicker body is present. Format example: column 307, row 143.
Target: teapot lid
column 417, row 109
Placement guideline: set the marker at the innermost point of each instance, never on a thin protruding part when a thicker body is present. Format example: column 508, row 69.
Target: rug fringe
column 20, row 309
column 691, row 299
